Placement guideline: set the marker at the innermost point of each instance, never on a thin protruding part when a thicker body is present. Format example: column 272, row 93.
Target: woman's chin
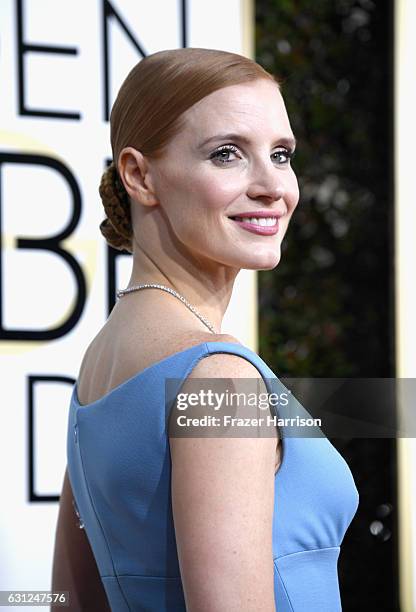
column 267, row 262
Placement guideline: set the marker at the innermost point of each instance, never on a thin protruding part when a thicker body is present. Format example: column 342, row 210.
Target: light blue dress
column 119, row 467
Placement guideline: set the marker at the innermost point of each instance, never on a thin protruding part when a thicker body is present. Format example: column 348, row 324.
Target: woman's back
column 120, row 469
column 137, row 334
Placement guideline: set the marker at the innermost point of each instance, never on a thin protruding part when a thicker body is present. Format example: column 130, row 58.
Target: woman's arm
column 222, row 502
column 74, row 567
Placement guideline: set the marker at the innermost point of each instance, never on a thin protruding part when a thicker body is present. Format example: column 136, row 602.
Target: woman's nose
column 267, row 185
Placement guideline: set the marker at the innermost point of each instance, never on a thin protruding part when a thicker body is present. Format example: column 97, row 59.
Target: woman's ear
column 133, row 170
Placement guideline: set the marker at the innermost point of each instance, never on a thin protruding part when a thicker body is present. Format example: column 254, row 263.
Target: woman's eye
column 283, row 156
column 222, row 155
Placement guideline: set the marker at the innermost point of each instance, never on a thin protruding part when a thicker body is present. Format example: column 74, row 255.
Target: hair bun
column 117, row 228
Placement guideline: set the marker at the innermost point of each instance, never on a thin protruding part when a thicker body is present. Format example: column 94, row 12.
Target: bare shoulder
column 192, row 338
column 224, row 364
column 208, row 337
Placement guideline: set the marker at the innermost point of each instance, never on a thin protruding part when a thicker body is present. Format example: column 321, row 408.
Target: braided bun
column 117, row 227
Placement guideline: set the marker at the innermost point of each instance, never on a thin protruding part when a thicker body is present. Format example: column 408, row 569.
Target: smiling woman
column 200, row 187
column 243, row 174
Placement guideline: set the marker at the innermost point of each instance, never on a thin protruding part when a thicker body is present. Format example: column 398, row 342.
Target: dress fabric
column 119, row 466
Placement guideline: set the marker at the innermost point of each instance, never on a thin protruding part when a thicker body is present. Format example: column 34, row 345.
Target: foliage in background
column 325, row 309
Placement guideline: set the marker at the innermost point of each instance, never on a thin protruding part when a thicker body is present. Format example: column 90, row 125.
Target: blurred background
column 328, row 310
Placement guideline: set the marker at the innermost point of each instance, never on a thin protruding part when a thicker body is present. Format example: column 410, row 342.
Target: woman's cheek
column 223, row 186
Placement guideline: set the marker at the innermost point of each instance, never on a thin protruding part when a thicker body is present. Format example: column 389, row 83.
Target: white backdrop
column 61, row 64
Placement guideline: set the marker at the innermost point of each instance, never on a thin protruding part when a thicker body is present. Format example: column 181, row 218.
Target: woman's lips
column 264, row 230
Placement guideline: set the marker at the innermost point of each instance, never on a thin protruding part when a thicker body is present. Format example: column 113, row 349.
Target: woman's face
column 232, row 158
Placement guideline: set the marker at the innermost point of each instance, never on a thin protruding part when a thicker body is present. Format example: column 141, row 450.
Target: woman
column 201, row 155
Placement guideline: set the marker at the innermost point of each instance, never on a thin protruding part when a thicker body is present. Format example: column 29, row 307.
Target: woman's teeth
column 264, row 221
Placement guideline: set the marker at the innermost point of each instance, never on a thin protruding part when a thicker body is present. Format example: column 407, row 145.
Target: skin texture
column 183, row 238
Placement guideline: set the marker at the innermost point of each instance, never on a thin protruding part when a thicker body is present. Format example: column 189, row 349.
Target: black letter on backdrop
column 23, row 48
column 47, row 244
column 112, row 255
column 108, row 12
column 31, row 455
column 184, row 24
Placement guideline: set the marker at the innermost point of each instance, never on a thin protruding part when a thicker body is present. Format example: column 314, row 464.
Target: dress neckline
column 149, row 368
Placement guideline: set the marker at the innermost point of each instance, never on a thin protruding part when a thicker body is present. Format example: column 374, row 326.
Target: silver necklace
column 173, row 292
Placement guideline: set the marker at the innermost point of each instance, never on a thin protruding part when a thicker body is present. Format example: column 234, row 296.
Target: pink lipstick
column 262, row 222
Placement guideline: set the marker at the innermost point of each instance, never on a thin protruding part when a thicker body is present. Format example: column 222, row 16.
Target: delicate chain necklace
column 173, row 292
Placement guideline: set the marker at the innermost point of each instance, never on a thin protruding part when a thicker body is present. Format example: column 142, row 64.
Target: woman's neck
column 208, row 291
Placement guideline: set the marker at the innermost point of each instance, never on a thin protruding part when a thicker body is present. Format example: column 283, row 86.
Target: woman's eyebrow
column 290, row 142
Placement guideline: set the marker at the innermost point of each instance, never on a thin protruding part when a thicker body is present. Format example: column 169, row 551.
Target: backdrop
column 61, row 65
